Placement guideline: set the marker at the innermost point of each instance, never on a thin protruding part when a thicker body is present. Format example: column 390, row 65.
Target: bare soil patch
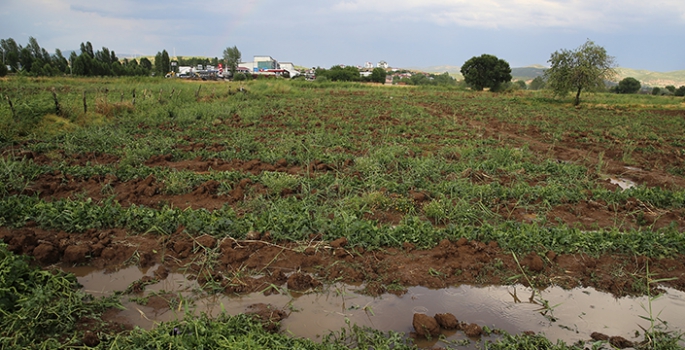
column 254, row 266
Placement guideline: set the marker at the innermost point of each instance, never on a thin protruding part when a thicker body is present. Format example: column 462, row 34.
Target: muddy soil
column 384, row 270
column 256, row 264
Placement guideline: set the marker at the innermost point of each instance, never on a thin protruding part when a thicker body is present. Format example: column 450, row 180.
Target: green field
column 382, row 166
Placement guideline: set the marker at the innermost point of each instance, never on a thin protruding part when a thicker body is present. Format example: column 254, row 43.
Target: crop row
column 291, row 220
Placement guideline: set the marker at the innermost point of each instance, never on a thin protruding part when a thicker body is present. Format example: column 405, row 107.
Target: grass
column 42, row 307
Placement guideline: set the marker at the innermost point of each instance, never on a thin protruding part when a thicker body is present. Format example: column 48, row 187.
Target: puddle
column 580, row 311
column 624, row 184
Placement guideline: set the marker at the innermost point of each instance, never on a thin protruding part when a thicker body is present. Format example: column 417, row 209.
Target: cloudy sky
column 405, row 33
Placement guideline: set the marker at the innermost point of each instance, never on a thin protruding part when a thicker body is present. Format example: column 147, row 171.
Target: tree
column 26, row 59
column 232, row 58
column 162, row 63
column 145, row 64
column 34, row 48
column 680, row 91
column 586, row 67
column 80, row 66
column 11, row 53
column 628, row 86
column 656, row 91
column 378, row 75
column 338, row 73
column 60, row 61
column 670, row 88
column 72, row 58
column 3, row 70
column 486, row 71
column 521, row 84
column 537, row 84
column 444, row 79
column 87, row 49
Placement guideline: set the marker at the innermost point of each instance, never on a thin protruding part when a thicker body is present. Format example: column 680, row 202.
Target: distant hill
column 652, row 79
column 647, row 78
column 452, row 70
column 527, row 73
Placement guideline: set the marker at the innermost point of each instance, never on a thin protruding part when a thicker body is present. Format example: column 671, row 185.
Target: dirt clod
column 472, row 330
column 76, row 254
column 161, row 273
column 533, row 262
column 206, row 241
column 339, row 243
column 620, row 342
column 447, row 321
column 46, row 253
column 90, row 339
column 301, row 282
column 268, row 315
column 599, row 336
column 425, row 326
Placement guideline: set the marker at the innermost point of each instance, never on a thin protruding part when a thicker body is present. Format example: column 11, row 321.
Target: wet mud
column 458, row 313
column 259, row 266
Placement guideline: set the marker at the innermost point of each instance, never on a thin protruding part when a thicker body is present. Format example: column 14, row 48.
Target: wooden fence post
column 58, row 109
column 85, row 105
column 14, row 113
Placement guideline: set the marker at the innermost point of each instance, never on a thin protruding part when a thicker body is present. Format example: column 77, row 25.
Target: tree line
column 34, row 60
column 350, row 73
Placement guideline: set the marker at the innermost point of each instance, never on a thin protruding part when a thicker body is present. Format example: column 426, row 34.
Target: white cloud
column 588, row 14
column 323, row 32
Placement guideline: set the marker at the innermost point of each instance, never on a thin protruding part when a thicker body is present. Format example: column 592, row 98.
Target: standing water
column 572, row 315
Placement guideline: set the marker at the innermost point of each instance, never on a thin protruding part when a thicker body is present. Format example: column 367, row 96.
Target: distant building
column 368, row 65
column 267, row 65
column 383, row 64
column 290, row 67
column 261, row 64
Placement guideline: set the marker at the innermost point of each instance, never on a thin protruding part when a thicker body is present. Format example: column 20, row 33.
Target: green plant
column 546, row 309
column 39, row 306
column 657, row 336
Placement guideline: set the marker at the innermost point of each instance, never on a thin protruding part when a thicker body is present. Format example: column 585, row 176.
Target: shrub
column 680, row 91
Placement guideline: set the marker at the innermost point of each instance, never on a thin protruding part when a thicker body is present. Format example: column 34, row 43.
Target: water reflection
column 571, row 316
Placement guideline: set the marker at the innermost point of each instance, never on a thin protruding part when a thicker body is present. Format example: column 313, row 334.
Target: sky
column 640, row 34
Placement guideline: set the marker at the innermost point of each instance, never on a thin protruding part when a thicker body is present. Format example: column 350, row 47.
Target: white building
column 290, row 67
column 260, row 64
column 266, row 64
column 368, row 65
column 383, row 64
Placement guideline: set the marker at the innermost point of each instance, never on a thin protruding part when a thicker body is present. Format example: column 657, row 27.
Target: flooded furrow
column 568, row 315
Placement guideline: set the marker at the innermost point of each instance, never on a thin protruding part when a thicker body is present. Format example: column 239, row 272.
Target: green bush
column 680, row 91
